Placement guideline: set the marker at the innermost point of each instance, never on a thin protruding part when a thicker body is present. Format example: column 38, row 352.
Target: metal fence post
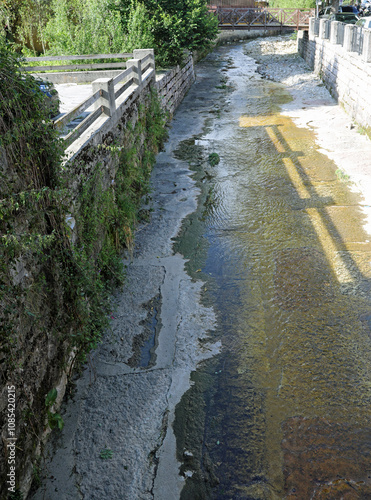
column 107, row 99
column 136, row 64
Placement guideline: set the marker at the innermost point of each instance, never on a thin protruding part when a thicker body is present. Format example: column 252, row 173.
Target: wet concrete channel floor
column 276, row 248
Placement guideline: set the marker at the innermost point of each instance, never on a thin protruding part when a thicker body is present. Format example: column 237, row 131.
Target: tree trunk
column 335, row 5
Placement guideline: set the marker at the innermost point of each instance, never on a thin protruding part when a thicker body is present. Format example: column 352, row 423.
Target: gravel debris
column 279, row 61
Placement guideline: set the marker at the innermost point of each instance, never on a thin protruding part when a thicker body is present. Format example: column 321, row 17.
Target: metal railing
column 108, row 94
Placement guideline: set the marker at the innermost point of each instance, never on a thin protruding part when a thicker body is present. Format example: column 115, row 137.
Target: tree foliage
column 23, row 23
column 293, row 4
column 138, row 28
column 63, row 27
column 176, row 25
column 84, row 27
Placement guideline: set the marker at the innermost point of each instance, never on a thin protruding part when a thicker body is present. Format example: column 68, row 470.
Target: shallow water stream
column 284, row 410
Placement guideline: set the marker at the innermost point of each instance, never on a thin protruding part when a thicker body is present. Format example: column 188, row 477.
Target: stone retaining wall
column 45, row 356
column 173, row 85
column 346, row 75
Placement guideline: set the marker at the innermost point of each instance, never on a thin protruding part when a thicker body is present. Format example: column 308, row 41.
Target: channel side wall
column 345, row 74
column 44, row 364
column 173, row 85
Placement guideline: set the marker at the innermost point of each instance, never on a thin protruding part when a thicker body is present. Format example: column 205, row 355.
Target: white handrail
column 64, row 67
column 107, row 95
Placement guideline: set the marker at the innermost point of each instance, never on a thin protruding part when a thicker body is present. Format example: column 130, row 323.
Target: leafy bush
column 176, row 26
column 84, row 27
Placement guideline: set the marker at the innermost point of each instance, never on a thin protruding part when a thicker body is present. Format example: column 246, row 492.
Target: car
column 364, row 22
column 349, row 8
column 49, row 94
column 327, row 12
column 344, row 17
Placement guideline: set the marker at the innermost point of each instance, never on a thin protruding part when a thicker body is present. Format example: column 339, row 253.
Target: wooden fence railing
column 250, row 4
column 108, row 94
column 257, row 18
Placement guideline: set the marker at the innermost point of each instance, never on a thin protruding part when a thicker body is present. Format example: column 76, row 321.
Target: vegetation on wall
column 30, row 154
column 32, row 233
column 55, row 279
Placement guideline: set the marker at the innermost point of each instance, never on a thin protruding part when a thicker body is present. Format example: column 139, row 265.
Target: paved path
column 72, row 94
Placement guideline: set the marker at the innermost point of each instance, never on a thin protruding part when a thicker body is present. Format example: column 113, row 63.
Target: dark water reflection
column 285, row 409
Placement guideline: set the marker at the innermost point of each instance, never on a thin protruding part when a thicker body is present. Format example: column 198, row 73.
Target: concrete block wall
column 173, row 85
column 346, row 75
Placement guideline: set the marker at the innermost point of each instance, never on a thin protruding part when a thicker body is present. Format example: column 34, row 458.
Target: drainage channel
column 238, row 362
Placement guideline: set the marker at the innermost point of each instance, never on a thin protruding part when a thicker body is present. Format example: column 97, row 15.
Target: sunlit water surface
column 284, row 411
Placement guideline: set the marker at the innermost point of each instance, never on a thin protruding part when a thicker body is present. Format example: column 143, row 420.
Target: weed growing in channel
column 106, row 453
column 54, row 419
column 214, row 159
column 342, row 176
